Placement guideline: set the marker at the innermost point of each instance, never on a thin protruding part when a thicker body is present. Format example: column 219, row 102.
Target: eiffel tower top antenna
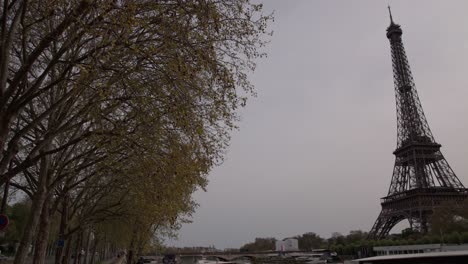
column 390, row 12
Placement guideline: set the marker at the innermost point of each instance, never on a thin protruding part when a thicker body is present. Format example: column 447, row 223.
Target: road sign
column 3, row 221
column 60, row 243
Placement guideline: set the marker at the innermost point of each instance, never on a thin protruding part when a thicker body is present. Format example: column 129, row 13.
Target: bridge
column 230, row 256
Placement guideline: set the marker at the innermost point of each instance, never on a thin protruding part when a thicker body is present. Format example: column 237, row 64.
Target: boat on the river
column 212, row 260
column 311, row 259
column 318, row 257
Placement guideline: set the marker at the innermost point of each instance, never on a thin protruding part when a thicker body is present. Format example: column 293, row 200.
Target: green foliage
column 453, row 238
column 336, row 238
column 450, row 217
column 355, row 236
column 260, row 244
column 309, row 241
column 434, row 239
column 410, row 233
column 17, row 214
column 464, row 238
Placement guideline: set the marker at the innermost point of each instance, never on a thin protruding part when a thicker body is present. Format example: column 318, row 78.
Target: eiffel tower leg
column 383, row 225
column 373, row 234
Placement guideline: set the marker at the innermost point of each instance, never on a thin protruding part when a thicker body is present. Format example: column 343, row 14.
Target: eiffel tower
column 422, row 179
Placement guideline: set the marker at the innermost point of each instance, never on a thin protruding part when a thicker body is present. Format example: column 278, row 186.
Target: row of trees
column 307, row 241
column 260, row 244
column 398, row 240
column 449, row 224
column 356, row 240
column 112, row 113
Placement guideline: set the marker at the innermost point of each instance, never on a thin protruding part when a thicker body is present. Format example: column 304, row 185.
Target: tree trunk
column 43, row 234
column 88, row 239
column 30, row 228
column 101, row 255
column 36, row 209
column 5, row 197
column 131, row 248
column 80, row 248
column 4, row 131
column 66, row 257
column 93, row 253
column 63, row 225
column 79, row 240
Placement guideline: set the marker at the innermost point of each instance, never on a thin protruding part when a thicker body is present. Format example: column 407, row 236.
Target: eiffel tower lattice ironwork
column 422, row 179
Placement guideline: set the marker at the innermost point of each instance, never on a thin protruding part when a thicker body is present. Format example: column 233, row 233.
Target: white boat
column 311, row 259
column 315, row 260
column 205, row 260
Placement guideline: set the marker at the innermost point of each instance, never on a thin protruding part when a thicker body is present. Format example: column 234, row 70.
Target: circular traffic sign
column 3, row 221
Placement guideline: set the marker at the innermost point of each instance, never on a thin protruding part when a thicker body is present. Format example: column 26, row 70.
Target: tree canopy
column 112, row 113
column 260, row 244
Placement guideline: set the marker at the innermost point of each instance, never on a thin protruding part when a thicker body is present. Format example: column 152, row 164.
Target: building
column 287, row 244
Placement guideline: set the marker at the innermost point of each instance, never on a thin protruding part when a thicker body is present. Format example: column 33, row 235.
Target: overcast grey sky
column 314, row 149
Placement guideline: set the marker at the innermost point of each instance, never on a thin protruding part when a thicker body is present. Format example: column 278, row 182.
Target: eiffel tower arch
column 422, row 179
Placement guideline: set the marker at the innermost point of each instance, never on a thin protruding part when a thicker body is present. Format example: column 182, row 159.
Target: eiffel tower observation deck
column 422, row 179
